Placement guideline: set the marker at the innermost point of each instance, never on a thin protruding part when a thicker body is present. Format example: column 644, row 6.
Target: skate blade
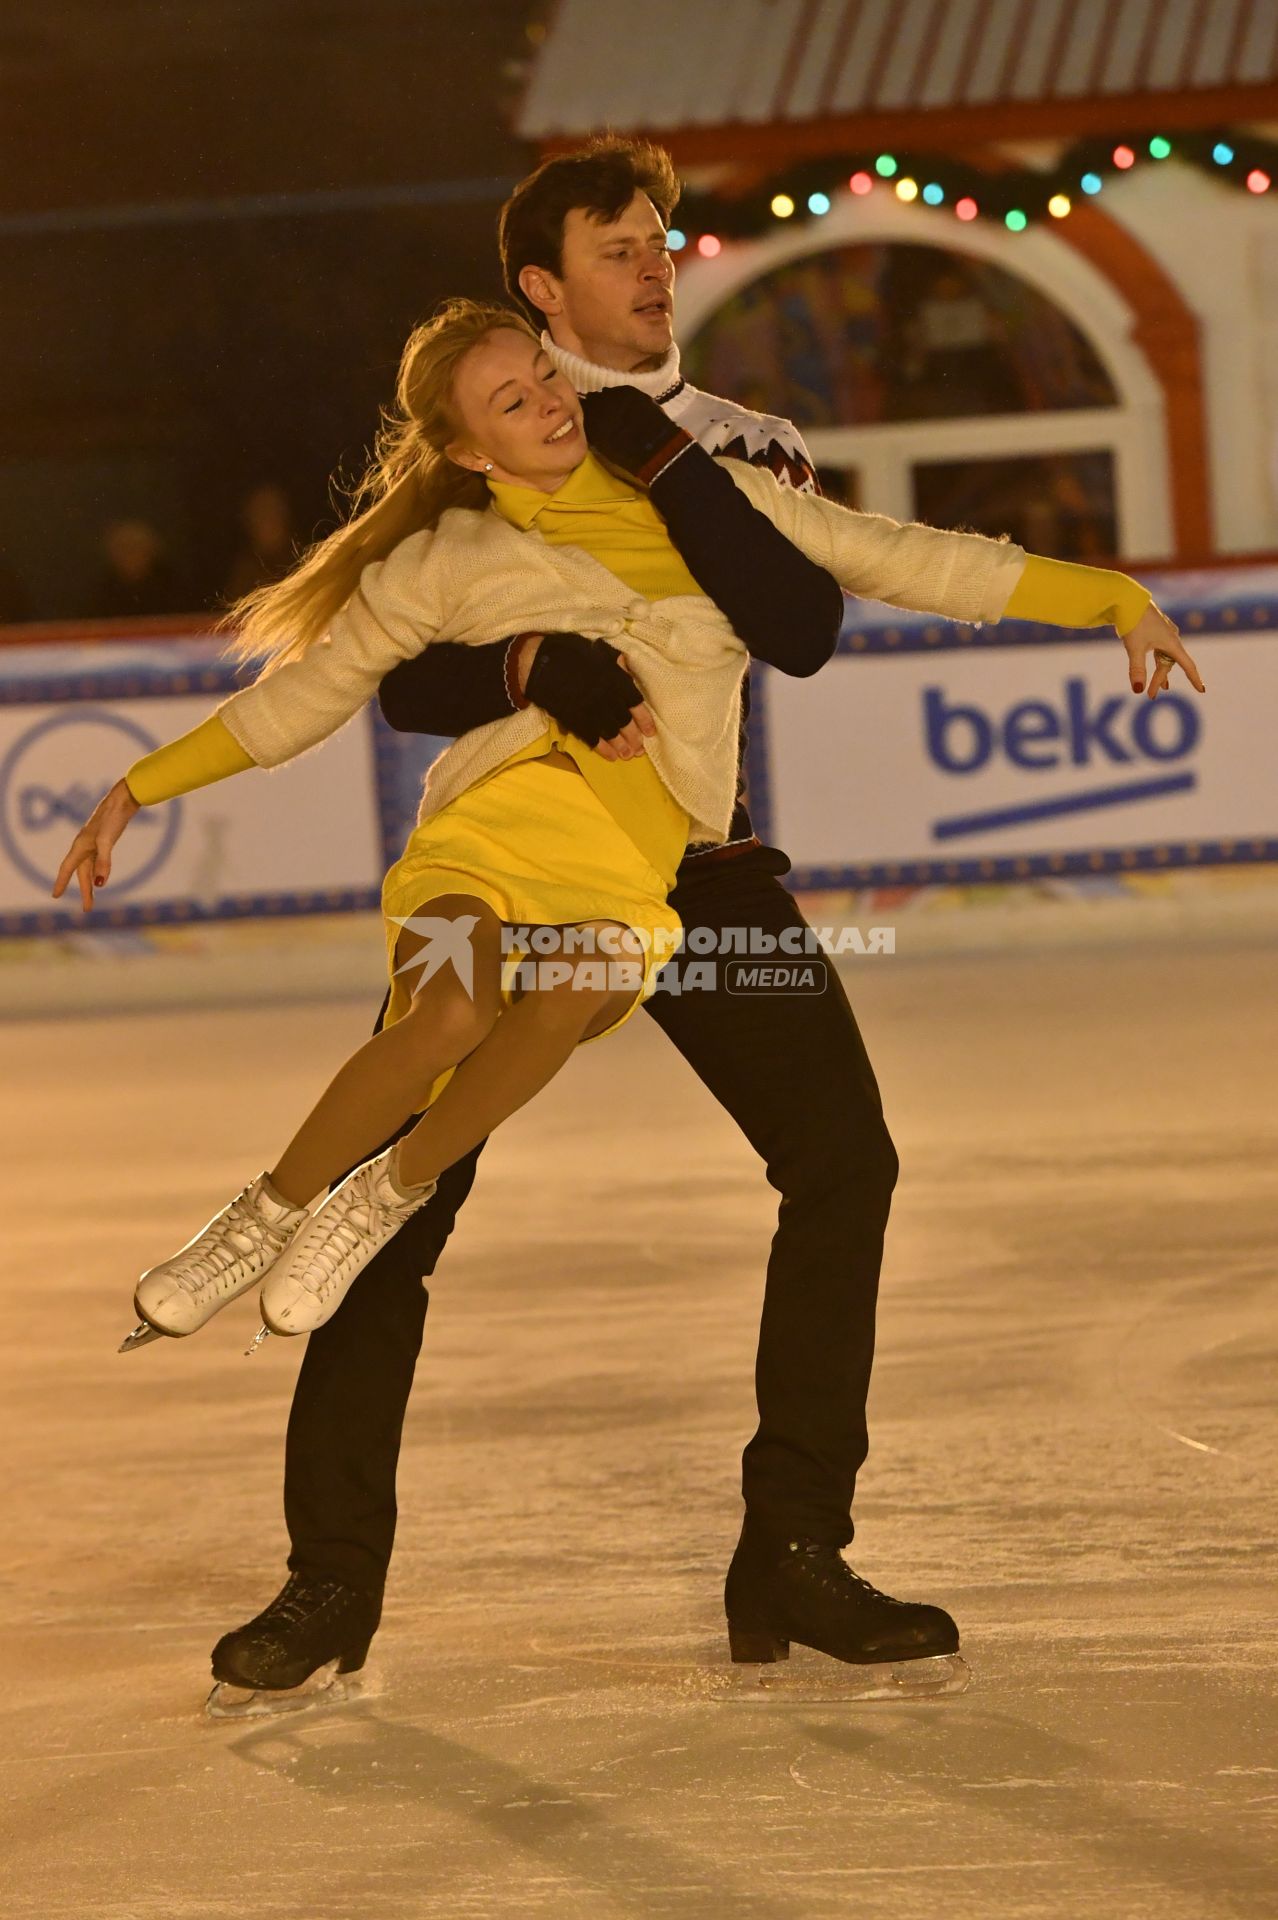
column 814, row 1681
column 326, row 1687
column 263, row 1333
column 141, row 1336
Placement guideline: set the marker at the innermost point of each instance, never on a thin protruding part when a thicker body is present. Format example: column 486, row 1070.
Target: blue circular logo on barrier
column 52, row 778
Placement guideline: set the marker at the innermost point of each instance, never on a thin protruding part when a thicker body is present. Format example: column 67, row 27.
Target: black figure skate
column 806, row 1593
column 301, row 1651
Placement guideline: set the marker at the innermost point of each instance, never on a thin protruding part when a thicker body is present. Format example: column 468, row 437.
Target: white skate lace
column 208, row 1265
column 324, row 1267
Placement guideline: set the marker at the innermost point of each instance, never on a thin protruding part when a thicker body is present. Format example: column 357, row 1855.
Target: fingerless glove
column 582, row 684
column 631, row 431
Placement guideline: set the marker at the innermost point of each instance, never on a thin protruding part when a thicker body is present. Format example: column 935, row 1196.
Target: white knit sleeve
column 961, row 576
column 392, row 614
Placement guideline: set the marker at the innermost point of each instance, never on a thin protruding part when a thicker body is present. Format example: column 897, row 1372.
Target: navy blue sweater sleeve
column 783, row 607
column 447, row 689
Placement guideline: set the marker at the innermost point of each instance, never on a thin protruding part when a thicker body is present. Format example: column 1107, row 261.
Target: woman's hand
column 1155, row 630
column 90, row 854
column 628, row 744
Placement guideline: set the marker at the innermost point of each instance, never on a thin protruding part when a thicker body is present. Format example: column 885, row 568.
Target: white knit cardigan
column 477, row 578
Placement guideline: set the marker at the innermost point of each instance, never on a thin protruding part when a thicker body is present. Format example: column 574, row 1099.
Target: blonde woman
column 521, row 823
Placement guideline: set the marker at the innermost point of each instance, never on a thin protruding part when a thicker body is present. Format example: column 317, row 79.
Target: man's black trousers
column 792, row 1071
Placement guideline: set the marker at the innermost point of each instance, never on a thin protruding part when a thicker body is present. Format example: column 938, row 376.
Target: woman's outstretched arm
column 968, row 576
column 1065, row 593
column 394, row 613
column 391, row 614
column 207, row 753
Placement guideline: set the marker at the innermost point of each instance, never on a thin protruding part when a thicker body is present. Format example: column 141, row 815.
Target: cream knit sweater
column 476, row 578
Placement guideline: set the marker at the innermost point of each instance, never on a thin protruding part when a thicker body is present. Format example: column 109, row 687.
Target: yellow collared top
column 609, row 518
column 617, row 525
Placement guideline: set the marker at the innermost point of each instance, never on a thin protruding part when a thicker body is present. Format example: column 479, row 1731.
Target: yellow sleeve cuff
column 1061, row 593
column 209, row 752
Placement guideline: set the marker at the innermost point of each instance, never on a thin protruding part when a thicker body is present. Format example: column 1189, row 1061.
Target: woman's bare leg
column 390, row 1076
column 523, row 1052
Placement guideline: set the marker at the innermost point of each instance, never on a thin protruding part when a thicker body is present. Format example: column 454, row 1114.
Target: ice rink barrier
column 79, row 704
column 925, row 752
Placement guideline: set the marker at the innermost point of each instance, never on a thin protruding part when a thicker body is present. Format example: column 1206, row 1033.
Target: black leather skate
column 805, row 1592
column 296, row 1650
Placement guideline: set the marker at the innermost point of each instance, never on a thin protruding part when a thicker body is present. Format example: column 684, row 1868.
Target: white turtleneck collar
column 586, row 377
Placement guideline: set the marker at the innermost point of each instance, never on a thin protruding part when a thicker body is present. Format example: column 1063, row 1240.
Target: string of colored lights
column 1015, row 198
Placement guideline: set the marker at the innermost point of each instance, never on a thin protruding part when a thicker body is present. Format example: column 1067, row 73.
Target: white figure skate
column 355, row 1222
column 233, row 1252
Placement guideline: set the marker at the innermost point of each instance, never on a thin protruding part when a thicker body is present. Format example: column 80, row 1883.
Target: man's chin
column 651, row 345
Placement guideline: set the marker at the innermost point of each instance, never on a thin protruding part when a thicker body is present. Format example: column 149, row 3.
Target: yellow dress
column 540, row 844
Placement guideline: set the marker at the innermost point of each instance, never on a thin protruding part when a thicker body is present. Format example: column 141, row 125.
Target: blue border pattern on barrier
column 183, row 913
column 156, row 683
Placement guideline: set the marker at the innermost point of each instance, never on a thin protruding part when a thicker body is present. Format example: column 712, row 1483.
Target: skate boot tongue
column 392, row 1188
column 271, row 1203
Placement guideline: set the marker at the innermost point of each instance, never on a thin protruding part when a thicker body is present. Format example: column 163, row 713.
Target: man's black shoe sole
column 761, row 1646
column 284, row 1679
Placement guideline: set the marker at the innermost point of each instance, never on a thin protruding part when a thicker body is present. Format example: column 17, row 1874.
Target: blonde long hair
column 408, row 484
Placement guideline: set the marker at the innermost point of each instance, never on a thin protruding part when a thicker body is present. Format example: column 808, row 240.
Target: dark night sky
column 160, row 365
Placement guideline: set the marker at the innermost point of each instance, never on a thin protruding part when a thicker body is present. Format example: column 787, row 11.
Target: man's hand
column 1155, row 630
column 90, row 854
column 584, row 685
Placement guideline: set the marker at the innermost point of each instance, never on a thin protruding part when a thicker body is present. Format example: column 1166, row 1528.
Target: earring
column 488, row 466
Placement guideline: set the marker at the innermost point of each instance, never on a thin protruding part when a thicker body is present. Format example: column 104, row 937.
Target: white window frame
column 1133, row 433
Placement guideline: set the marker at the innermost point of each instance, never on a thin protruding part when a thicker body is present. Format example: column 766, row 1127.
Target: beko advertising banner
column 927, row 752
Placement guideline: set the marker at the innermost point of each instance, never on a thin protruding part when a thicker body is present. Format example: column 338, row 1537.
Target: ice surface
column 1073, row 1449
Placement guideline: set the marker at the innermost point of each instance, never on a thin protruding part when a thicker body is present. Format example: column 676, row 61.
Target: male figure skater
column 583, row 243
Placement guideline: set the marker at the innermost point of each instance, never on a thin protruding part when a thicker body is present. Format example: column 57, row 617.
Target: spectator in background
column 269, row 548
column 15, row 604
column 138, row 578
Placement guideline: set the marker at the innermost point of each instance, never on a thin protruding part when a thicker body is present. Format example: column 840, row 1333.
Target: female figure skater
column 510, row 833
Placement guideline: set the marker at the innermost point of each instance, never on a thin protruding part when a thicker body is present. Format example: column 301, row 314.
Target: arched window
column 930, row 384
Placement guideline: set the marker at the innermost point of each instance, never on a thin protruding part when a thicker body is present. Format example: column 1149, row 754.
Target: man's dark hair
column 601, row 178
